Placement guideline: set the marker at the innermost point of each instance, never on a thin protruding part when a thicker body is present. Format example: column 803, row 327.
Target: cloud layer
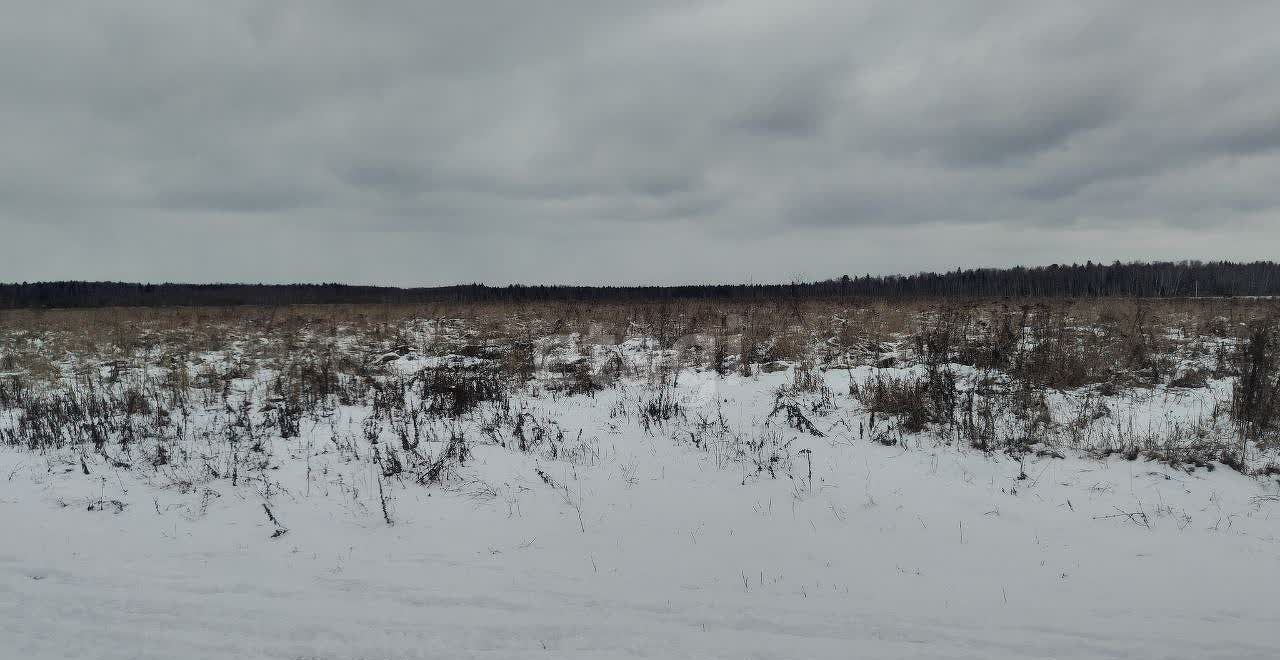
column 415, row 142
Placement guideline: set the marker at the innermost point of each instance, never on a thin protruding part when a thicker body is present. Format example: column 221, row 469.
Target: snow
column 644, row 544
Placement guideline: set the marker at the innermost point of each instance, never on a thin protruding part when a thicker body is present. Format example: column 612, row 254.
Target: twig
column 281, row 530
column 1137, row 518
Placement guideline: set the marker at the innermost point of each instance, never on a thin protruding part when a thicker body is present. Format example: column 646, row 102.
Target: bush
column 1255, row 398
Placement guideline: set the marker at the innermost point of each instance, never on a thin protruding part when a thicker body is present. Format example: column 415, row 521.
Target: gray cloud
column 606, row 141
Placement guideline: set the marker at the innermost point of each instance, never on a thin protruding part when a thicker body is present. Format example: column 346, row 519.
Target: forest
column 1088, row 280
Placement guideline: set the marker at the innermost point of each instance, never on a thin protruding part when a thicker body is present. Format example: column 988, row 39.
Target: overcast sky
column 591, row 141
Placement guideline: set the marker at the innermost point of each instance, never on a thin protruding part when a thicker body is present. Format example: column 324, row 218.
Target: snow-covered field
column 687, row 517
column 644, row 548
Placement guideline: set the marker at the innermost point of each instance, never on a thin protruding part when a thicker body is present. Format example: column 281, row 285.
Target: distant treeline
column 1157, row 279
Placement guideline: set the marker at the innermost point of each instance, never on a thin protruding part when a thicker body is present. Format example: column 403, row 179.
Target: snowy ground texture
column 633, row 542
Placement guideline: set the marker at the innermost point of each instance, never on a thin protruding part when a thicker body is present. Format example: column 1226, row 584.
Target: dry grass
column 149, row 363
column 1075, row 342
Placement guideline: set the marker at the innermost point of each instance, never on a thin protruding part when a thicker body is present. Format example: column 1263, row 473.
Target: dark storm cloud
column 621, row 141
